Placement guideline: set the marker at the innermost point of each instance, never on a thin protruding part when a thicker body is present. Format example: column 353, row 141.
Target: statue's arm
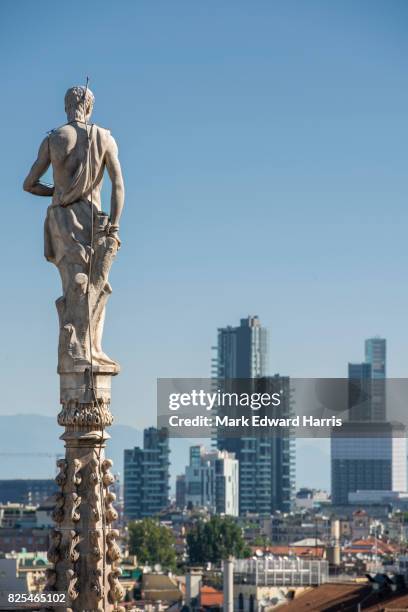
column 32, row 182
column 118, row 189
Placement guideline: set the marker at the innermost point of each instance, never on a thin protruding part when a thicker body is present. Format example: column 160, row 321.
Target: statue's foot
column 101, row 358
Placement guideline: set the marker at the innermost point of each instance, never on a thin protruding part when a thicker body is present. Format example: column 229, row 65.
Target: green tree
column 214, row 540
column 261, row 540
column 152, row 543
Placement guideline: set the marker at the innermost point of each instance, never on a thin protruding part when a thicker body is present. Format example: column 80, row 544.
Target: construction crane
column 28, row 454
column 54, row 456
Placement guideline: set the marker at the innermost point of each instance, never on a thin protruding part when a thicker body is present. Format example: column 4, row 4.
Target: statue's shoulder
column 103, row 134
column 105, row 138
column 103, row 131
column 60, row 131
column 54, row 132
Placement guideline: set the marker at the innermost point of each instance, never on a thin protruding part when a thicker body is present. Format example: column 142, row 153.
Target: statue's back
column 77, row 154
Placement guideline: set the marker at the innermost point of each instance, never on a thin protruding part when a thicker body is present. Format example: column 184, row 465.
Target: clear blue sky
column 264, row 148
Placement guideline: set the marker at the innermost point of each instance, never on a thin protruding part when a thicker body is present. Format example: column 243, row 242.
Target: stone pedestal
column 83, row 544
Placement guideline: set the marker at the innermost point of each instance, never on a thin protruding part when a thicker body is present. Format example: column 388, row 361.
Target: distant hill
column 33, row 433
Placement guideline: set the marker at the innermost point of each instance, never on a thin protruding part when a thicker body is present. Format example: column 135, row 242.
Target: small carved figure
column 95, row 513
column 111, row 515
column 93, row 472
column 106, row 465
column 116, row 591
column 73, row 502
column 73, row 554
column 58, row 512
column 107, row 477
column 51, row 580
column 72, row 589
column 59, row 500
column 93, row 502
column 77, row 479
column 70, row 541
column 110, row 497
column 96, row 582
column 54, row 551
column 95, row 549
column 113, row 552
column 61, row 478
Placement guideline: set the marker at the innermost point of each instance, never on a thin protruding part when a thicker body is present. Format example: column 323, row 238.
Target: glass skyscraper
column 266, row 461
column 368, row 457
column 242, row 351
column 368, row 453
column 376, row 355
column 367, row 384
column 146, row 475
column 359, row 391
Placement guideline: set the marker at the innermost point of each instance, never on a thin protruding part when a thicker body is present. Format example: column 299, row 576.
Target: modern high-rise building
column 146, row 475
column 359, row 391
column 368, row 453
column 267, row 472
column 211, row 481
column 266, row 461
column 27, row 491
column 368, row 457
column 376, row 356
column 181, row 491
column 242, row 351
column 367, row 384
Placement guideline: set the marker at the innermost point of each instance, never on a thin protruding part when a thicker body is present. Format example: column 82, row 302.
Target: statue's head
column 79, row 102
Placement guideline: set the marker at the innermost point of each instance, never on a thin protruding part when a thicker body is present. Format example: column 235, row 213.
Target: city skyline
column 307, row 135
column 240, row 461
column 309, row 452
column 253, row 185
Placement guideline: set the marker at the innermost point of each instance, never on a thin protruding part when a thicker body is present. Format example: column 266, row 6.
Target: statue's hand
column 113, row 232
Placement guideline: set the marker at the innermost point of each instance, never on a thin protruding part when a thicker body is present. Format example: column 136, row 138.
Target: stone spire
column 82, row 242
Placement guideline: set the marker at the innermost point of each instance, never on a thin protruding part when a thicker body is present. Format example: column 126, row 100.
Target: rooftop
column 345, row 597
column 371, row 546
column 211, row 597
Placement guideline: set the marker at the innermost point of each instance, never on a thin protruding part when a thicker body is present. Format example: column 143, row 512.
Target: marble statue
column 79, row 153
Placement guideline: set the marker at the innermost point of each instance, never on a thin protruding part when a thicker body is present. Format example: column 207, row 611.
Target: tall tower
column 368, row 453
column 146, row 486
column 376, row 356
column 359, row 378
column 367, row 384
column 242, row 351
column 266, row 462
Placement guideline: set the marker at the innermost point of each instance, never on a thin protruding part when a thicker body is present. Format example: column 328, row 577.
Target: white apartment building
column 212, row 481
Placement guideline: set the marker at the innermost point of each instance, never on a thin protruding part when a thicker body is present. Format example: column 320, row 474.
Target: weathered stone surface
column 80, row 239
column 82, row 242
